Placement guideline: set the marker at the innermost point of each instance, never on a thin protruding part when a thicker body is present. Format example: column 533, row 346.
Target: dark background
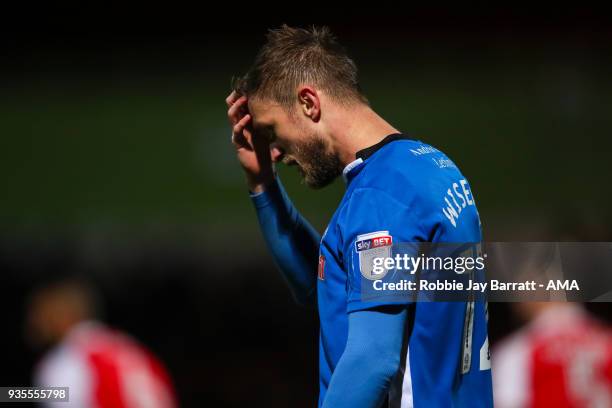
column 115, row 165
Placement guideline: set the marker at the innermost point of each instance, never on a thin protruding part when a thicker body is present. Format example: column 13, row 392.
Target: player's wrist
column 259, row 183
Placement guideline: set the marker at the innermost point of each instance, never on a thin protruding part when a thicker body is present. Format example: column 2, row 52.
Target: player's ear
column 309, row 102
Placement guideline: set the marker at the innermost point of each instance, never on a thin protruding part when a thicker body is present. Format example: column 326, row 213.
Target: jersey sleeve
column 367, row 360
column 293, row 242
column 376, row 225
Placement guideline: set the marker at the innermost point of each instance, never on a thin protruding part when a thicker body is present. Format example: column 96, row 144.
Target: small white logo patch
column 373, row 245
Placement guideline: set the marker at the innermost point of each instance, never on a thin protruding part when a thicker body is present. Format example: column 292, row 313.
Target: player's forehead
column 265, row 112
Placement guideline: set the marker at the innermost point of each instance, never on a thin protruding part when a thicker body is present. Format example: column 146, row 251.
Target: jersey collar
column 347, row 173
column 353, row 167
column 369, row 151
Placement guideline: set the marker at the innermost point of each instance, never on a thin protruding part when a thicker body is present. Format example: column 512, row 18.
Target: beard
column 317, row 164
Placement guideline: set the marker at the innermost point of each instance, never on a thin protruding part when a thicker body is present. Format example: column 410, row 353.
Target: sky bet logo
column 376, row 242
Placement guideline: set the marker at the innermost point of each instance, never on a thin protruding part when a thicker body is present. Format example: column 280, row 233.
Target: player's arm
column 293, row 242
column 370, row 360
column 291, row 239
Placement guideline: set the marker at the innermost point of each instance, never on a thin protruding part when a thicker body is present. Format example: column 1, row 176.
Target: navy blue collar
column 368, row 151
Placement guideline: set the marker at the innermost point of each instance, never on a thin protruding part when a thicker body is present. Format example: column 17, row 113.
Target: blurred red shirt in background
column 561, row 358
column 104, row 368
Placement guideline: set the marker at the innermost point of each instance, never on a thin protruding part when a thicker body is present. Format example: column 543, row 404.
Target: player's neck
column 359, row 128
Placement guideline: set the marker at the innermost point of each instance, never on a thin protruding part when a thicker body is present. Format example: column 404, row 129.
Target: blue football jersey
column 403, row 190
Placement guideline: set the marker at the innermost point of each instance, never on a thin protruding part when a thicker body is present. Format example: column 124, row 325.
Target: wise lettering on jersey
column 457, row 197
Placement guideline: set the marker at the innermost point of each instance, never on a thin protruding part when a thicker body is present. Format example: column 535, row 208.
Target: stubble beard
column 317, row 164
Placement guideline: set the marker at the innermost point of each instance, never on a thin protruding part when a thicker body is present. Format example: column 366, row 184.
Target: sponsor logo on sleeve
column 375, row 242
column 369, row 246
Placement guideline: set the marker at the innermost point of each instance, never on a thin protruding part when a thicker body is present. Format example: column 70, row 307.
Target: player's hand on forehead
column 238, row 107
column 254, row 152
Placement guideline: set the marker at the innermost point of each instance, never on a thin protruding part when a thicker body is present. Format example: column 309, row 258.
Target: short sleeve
column 376, row 225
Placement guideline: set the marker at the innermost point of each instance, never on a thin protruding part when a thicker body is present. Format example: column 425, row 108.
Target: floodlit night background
column 116, row 166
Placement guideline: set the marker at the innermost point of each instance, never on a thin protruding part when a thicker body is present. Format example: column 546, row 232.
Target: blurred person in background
column 562, row 357
column 102, row 367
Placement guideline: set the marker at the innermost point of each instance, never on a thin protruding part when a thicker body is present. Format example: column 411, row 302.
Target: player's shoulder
column 61, row 361
column 411, row 159
column 408, row 169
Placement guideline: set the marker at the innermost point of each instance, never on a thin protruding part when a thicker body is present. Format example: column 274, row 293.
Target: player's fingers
column 231, row 98
column 248, row 137
column 239, row 127
column 233, row 113
column 240, row 141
